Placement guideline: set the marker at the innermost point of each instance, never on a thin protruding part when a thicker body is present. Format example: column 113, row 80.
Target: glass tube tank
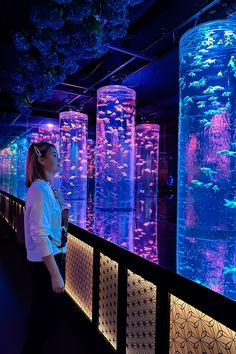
column 73, row 154
column 115, row 148
column 207, row 157
column 147, row 157
column 91, row 168
column 50, row 133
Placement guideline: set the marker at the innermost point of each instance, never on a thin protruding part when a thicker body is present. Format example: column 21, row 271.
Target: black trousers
column 46, row 309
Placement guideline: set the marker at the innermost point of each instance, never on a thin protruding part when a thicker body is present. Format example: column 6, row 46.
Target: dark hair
column 34, row 169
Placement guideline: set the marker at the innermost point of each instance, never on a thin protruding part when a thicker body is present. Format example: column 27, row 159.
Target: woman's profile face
column 51, row 161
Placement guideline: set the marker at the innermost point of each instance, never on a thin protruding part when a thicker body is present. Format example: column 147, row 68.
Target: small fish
column 231, row 63
column 204, row 51
column 230, row 203
column 219, row 74
column 73, row 168
column 197, row 183
column 208, row 171
column 187, row 100
column 192, row 74
column 212, row 89
column 203, row 121
column 220, row 42
column 229, row 270
column 233, row 144
column 215, row 103
column 109, row 178
column 209, row 61
column 226, row 94
column 212, row 98
column 201, row 104
column 124, row 174
column 215, row 188
column 227, row 152
column 208, row 185
column 200, row 83
column 208, row 124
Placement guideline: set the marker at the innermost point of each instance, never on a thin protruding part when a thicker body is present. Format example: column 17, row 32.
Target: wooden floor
column 74, row 335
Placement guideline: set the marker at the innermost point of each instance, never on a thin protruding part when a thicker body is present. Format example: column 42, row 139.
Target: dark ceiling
column 146, row 60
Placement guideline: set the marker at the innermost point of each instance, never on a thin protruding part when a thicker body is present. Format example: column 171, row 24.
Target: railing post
column 162, row 320
column 122, row 309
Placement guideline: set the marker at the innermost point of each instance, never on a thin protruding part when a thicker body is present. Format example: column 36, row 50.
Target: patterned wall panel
column 79, row 273
column 108, row 290
column 193, row 332
column 141, row 315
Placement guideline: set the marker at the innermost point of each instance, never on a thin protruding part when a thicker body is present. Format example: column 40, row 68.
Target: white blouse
column 42, row 217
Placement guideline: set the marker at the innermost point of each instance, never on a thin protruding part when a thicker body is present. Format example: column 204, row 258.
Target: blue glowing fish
column 201, row 104
column 213, row 89
column 200, row 83
column 230, row 203
column 187, row 100
column 208, row 185
column 227, row 152
column 208, row 171
column 215, row 188
column 229, row 270
column 197, row 183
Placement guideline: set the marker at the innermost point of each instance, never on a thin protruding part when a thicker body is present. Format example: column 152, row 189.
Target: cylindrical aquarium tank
column 91, row 168
column 13, row 169
column 147, row 157
column 145, row 231
column 115, row 136
column 50, row 133
column 207, row 157
column 73, row 154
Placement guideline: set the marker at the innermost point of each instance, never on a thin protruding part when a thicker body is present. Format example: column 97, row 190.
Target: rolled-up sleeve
column 40, row 222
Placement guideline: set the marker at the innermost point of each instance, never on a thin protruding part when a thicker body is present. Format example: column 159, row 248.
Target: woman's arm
column 58, row 285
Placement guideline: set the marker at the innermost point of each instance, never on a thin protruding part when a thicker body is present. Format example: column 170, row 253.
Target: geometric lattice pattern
column 193, row 332
column 108, row 285
column 141, row 315
column 79, row 273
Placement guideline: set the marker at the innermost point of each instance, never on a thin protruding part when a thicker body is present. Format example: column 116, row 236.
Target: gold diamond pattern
column 108, row 290
column 141, row 315
column 193, row 332
column 79, row 273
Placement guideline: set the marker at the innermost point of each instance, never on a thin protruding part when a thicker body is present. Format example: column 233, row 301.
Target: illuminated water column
column 91, row 168
column 207, row 157
column 50, row 133
column 6, row 169
column 73, row 153
column 147, row 157
column 116, row 227
column 115, row 148
column 145, row 232
column 22, row 147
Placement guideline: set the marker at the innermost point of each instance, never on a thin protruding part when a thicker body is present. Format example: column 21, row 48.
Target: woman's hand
column 58, row 196
column 58, row 285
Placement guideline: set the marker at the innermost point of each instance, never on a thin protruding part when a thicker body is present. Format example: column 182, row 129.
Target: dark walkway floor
column 74, row 335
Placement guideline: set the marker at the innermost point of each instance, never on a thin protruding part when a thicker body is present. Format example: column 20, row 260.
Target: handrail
column 204, row 299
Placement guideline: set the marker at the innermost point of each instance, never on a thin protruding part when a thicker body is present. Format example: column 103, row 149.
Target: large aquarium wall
column 147, row 157
column 207, row 157
column 73, row 154
column 115, row 148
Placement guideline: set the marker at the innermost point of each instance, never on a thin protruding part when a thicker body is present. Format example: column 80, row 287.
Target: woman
column 42, row 219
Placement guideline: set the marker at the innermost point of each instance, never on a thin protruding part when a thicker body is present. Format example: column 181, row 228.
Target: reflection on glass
column 147, row 156
column 207, row 157
column 145, row 232
column 116, row 227
column 77, row 212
